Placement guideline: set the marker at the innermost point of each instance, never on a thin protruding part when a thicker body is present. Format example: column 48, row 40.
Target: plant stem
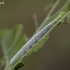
column 52, row 9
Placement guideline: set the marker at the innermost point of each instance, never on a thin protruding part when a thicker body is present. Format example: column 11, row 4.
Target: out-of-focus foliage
column 11, row 42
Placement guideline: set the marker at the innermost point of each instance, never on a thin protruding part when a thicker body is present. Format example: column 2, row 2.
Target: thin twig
column 35, row 21
column 52, row 9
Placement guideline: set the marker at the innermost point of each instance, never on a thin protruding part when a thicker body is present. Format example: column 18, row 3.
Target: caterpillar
column 30, row 44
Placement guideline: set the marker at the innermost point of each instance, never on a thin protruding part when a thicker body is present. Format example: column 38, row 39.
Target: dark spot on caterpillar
column 19, row 65
column 30, row 46
column 25, row 52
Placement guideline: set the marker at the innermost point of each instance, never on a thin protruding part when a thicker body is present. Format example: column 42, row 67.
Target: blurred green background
column 55, row 54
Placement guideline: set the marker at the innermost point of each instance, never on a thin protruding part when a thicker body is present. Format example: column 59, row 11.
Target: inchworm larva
column 35, row 39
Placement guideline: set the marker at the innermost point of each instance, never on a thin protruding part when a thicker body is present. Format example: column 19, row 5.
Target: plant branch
column 35, row 21
column 52, row 9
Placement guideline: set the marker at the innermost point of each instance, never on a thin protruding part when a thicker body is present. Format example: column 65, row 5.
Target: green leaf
column 11, row 42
